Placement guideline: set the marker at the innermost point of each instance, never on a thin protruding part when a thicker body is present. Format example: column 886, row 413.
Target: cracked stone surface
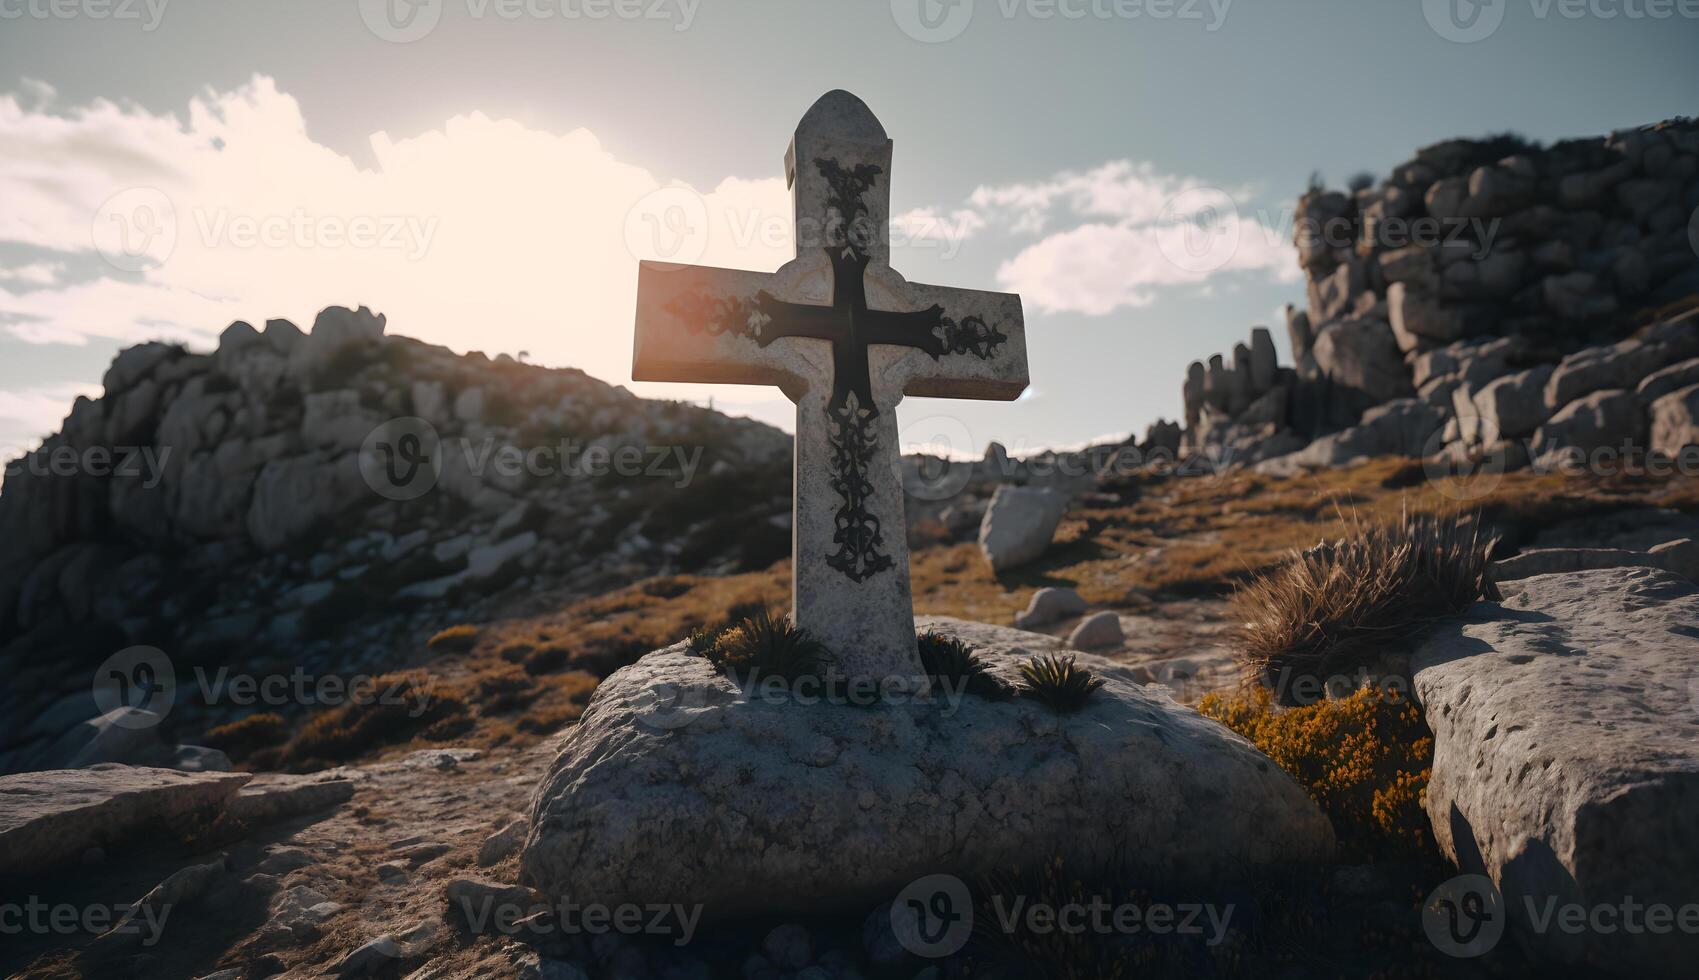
column 677, row 787
column 1566, row 754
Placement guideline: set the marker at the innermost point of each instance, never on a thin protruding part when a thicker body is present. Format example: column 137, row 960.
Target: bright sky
column 488, row 172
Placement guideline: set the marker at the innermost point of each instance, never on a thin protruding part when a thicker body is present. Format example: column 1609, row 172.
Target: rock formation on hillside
column 216, row 506
column 1488, row 297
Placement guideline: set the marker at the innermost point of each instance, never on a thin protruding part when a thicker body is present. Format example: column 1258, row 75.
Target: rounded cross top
column 840, row 115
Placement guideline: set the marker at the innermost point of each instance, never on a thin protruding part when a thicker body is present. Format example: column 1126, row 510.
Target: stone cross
column 844, row 337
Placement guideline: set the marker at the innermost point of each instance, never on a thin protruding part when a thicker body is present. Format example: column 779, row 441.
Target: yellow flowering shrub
column 1364, row 759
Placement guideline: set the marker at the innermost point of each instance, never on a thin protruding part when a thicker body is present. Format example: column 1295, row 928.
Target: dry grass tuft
column 1336, row 608
column 242, row 737
column 1365, row 760
column 455, row 639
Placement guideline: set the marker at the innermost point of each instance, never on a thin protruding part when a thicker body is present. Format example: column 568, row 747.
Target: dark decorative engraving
column 850, row 327
column 858, row 536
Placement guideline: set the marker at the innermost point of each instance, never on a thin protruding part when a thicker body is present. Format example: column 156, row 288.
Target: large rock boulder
column 1621, row 365
column 1049, row 605
column 1511, row 406
column 49, row 818
column 675, row 786
column 1362, row 357
column 1566, row 755
column 1675, row 421
column 1019, row 524
column 1603, row 420
column 294, row 496
column 335, row 328
column 1403, row 427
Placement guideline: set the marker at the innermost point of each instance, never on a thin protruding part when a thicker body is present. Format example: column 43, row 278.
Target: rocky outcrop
column 1565, row 760
column 1675, row 422
column 51, row 817
column 675, row 787
column 234, row 505
column 1501, row 282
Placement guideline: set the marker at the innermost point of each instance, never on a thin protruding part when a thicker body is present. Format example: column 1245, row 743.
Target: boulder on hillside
column 1419, row 319
column 1403, row 427
column 1566, row 756
column 1019, row 524
column 779, row 806
column 1049, row 605
column 52, row 817
column 1667, row 380
column 1675, row 422
column 1511, row 406
column 1621, row 365
column 294, row 496
column 1603, row 420
column 1097, row 631
column 135, row 363
column 1362, row 357
column 336, row 327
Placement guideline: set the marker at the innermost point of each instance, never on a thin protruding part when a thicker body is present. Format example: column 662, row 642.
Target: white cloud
column 487, row 234
column 482, row 234
column 1124, row 230
column 34, row 274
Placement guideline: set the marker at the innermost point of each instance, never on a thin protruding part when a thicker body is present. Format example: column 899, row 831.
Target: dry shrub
column 403, row 706
column 1337, row 607
column 455, row 639
column 245, row 735
column 1364, row 759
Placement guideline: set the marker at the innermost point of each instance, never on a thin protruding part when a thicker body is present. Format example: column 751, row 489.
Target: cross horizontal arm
column 975, row 342
column 694, row 323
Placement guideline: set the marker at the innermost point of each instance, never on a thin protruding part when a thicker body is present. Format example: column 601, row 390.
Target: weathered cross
column 845, row 337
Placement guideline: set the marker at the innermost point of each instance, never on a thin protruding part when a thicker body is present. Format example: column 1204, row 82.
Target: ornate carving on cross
column 845, row 337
